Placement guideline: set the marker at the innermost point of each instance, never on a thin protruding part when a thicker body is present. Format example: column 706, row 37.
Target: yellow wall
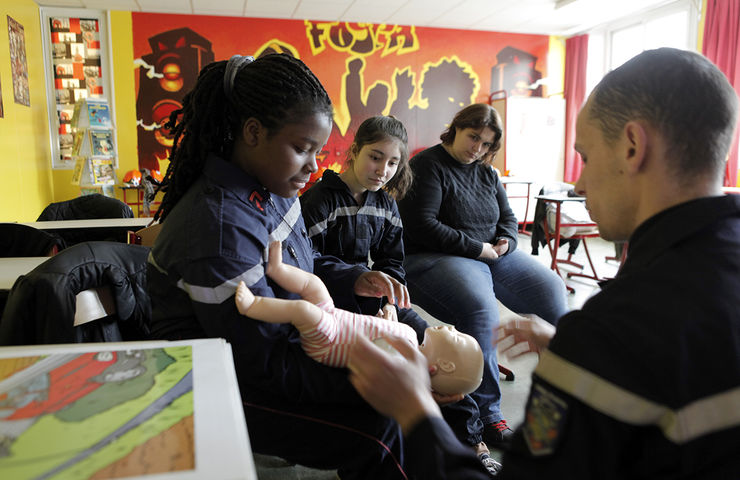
column 25, row 171
column 27, row 181
column 556, row 66
column 124, row 75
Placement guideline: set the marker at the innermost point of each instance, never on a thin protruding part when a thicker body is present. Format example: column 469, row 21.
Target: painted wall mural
column 420, row 75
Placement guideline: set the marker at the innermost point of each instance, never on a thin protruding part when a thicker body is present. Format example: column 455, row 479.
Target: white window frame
column 103, row 18
column 602, row 35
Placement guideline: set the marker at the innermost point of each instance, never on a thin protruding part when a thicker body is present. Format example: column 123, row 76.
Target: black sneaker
column 491, row 465
column 497, row 435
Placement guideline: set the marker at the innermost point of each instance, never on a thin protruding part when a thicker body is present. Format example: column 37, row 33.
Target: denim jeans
column 463, row 291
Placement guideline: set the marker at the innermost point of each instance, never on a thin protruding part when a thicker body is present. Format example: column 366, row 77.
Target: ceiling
column 548, row 17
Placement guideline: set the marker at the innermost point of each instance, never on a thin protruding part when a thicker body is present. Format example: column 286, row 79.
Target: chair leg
column 593, row 276
column 549, row 240
column 570, row 262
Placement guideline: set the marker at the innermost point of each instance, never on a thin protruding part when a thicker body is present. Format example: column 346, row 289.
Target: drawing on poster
column 18, row 64
column 101, row 413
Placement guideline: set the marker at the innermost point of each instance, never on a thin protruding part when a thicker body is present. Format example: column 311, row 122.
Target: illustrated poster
column 105, row 414
column 18, row 64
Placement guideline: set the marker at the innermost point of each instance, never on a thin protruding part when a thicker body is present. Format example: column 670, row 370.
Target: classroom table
column 558, row 200
column 519, row 181
column 89, row 305
column 124, row 223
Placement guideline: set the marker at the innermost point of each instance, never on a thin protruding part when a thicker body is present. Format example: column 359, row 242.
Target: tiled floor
column 514, row 394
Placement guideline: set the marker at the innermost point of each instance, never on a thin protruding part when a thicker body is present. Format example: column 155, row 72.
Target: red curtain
column 576, row 56
column 722, row 46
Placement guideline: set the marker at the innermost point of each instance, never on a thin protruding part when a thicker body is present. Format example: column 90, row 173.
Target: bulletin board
column 77, row 67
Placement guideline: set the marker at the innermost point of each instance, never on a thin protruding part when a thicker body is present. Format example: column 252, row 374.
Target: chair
column 42, row 305
column 88, row 207
column 566, row 219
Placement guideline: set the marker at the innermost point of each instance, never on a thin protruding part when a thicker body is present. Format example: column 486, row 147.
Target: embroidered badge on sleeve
column 544, row 421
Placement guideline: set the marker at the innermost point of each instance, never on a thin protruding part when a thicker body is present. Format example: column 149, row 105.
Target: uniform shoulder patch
column 544, row 420
column 257, row 200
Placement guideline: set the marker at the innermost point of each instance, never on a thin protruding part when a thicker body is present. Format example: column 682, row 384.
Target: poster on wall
column 420, row 75
column 77, row 71
column 18, row 64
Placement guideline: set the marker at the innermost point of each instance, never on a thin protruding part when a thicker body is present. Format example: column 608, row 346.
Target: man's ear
column 252, row 131
column 635, row 144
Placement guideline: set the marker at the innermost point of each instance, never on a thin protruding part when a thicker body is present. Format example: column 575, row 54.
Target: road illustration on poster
column 81, row 415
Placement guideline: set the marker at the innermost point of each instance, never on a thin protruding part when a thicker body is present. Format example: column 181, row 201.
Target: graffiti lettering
column 398, row 39
column 361, row 38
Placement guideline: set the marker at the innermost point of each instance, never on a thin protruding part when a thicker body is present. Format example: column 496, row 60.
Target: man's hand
column 396, row 385
column 379, row 284
column 522, row 335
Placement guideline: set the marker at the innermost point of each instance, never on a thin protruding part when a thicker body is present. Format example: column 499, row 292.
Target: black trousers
column 463, row 417
column 352, row 438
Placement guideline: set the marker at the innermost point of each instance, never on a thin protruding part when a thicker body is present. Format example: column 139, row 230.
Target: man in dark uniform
column 644, row 380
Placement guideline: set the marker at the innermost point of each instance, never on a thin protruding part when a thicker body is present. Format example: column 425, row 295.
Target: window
column 75, row 44
column 611, row 45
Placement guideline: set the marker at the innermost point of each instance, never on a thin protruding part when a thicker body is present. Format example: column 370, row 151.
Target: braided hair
column 276, row 89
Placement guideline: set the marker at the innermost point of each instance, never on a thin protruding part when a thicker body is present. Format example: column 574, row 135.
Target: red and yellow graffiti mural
column 422, row 76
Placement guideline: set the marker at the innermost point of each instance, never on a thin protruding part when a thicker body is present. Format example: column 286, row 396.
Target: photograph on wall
column 77, row 71
column 18, row 63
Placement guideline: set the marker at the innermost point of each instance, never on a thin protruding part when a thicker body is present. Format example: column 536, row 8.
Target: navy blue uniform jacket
column 217, row 235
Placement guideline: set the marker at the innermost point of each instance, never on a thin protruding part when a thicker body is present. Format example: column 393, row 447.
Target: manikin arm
column 303, row 314
column 293, row 279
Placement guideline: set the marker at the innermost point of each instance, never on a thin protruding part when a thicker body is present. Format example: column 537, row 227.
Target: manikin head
column 458, row 358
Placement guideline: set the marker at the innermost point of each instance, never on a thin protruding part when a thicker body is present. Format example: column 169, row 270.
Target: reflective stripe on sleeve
column 701, row 417
column 339, row 212
column 370, row 211
column 219, row 293
column 152, row 262
column 381, row 212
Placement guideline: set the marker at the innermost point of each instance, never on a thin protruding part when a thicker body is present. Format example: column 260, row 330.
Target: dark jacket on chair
column 540, row 214
column 84, row 208
column 41, row 306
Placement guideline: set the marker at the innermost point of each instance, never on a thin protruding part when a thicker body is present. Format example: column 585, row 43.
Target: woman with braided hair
column 245, row 143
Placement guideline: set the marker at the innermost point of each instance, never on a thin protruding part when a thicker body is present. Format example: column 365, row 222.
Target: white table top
column 13, row 267
column 514, row 180
column 132, row 223
column 559, row 197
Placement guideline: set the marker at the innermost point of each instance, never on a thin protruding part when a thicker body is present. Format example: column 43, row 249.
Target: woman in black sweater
column 461, row 236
